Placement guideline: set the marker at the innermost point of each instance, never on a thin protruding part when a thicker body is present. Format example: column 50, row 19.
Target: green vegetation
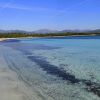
column 16, row 35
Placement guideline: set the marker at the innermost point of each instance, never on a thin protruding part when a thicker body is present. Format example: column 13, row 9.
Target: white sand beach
column 24, row 78
column 9, row 84
column 2, row 39
column 11, row 87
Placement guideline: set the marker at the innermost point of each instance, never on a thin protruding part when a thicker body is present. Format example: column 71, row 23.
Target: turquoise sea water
column 66, row 68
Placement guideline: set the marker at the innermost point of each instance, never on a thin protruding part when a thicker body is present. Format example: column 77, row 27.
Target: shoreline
column 11, row 88
column 11, row 85
column 3, row 39
column 14, row 83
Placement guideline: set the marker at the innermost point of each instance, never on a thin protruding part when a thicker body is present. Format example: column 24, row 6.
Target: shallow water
column 57, row 68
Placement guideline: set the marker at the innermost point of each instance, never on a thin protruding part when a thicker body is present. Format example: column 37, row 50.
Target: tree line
column 16, row 35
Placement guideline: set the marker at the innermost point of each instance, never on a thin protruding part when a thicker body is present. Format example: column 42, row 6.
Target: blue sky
column 49, row 14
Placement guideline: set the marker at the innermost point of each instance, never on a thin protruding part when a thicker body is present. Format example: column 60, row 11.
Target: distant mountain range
column 44, row 31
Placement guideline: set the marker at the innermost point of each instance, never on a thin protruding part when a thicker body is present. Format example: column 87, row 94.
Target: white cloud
column 11, row 5
column 14, row 6
column 26, row 8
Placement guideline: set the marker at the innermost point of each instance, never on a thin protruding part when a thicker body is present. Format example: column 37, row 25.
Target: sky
column 49, row 14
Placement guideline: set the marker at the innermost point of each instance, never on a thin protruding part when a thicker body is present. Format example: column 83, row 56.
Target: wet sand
column 11, row 88
column 12, row 84
column 9, row 84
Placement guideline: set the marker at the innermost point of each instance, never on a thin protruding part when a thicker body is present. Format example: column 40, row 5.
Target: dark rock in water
column 93, row 87
column 54, row 70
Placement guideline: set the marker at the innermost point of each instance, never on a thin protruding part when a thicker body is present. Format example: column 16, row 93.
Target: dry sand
column 2, row 39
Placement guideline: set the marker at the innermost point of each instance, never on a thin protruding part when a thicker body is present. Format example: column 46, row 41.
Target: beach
column 13, row 86
column 2, row 39
column 9, row 83
column 50, row 69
